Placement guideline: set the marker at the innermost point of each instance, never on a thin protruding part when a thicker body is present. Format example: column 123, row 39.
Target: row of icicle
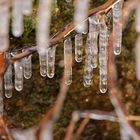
column 97, row 28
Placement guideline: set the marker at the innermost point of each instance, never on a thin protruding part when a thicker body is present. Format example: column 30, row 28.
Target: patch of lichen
column 26, row 108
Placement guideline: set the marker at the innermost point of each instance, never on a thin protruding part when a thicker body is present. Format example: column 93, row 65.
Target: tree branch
column 67, row 30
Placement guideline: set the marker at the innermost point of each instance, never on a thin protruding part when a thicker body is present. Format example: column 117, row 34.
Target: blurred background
column 26, row 108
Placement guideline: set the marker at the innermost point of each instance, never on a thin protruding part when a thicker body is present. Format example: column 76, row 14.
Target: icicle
column 27, row 66
column 138, row 58
column 18, row 75
column 88, row 70
column 78, row 47
column 17, row 18
column 103, row 44
column 93, row 39
column 81, row 11
column 1, row 96
column 43, row 26
column 138, row 17
column 117, row 28
column 68, row 60
column 8, row 84
column 43, row 64
column 51, row 61
column 27, row 7
column 4, row 27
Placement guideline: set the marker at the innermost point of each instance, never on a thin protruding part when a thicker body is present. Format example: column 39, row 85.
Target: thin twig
column 114, row 91
column 81, row 128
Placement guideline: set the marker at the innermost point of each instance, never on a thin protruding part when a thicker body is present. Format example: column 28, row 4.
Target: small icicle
column 93, row 39
column 117, row 28
column 43, row 64
column 27, row 66
column 103, row 44
column 81, row 13
column 27, row 7
column 8, row 83
column 78, row 48
column 138, row 16
column 18, row 75
column 43, row 29
column 68, row 60
column 88, row 70
column 138, row 58
column 17, row 18
column 4, row 27
column 51, row 61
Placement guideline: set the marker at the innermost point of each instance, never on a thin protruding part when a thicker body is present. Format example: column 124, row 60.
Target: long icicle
column 43, row 29
column 27, row 66
column 81, row 11
column 8, row 83
column 68, row 60
column 27, row 7
column 88, row 70
column 18, row 67
column 103, row 44
column 17, row 18
column 93, row 35
column 117, row 30
column 51, row 61
column 4, row 27
column 78, row 48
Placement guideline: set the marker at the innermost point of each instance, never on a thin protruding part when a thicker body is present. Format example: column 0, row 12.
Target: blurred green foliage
column 26, row 108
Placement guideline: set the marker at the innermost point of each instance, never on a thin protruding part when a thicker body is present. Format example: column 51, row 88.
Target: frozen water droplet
column 43, row 64
column 68, row 61
column 103, row 86
column 27, row 66
column 51, row 61
column 103, row 44
column 18, row 75
column 117, row 29
column 78, row 48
